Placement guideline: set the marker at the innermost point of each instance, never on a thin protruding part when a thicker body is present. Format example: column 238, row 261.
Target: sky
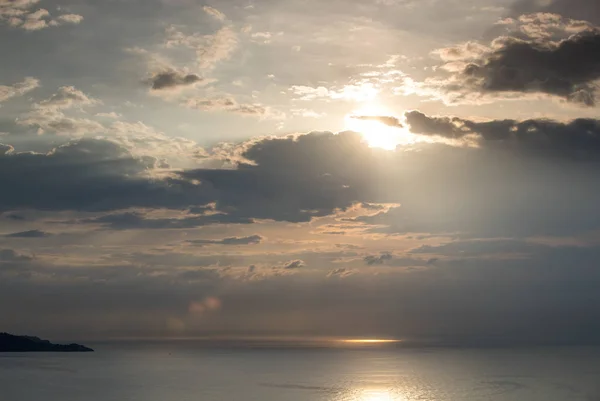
column 421, row 170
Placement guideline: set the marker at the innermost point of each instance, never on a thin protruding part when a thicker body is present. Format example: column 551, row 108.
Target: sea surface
column 184, row 372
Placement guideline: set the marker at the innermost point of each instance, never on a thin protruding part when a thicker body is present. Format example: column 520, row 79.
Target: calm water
column 187, row 373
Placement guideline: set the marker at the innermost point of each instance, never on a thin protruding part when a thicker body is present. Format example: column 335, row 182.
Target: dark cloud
column 251, row 240
column 575, row 140
column 449, row 127
column 172, row 79
column 341, row 272
column 201, row 209
column 29, row 234
column 10, row 255
column 374, row 260
column 5, row 149
column 87, row 174
column 296, row 178
column 288, row 179
column 386, row 120
column 294, row 264
column 566, row 69
column 543, row 53
column 14, row 217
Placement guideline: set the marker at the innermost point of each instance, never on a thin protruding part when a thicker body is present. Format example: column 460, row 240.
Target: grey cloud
column 5, row 149
column 298, row 178
column 49, row 114
column 373, row 260
column 341, row 272
column 567, row 69
column 386, row 120
column 10, row 255
column 449, row 127
column 575, row 140
column 288, row 179
column 53, row 120
column 173, row 79
column 201, row 209
column 29, row 234
column 543, row 54
column 294, row 264
column 251, row 240
column 87, row 174
column 14, row 217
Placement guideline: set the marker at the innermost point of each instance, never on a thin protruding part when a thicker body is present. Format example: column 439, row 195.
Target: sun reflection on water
column 376, row 395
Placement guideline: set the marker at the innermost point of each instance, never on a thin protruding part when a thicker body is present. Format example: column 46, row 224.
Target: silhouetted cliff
column 11, row 343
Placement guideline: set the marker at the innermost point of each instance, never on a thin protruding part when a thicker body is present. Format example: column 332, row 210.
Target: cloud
column 588, row 10
column 490, row 301
column 341, row 272
column 386, row 120
column 138, row 221
column 294, row 264
column 144, row 140
column 542, row 54
column 213, row 12
column 6, row 149
column 575, row 140
column 298, row 178
column 68, row 97
column 251, row 240
column 210, row 49
column 356, row 92
column 10, row 255
column 172, row 79
column 60, row 114
column 83, row 174
column 54, row 120
column 29, row 234
column 19, row 89
column 112, row 115
column 518, row 66
column 70, row 18
column 230, row 105
column 22, row 14
column 294, row 178
column 49, row 114
column 373, row 260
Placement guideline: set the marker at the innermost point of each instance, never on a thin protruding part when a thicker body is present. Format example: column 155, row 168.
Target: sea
column 185, row 371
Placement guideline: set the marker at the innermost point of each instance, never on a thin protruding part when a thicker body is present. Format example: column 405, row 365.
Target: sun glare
column 369, row 341
column 378, row 128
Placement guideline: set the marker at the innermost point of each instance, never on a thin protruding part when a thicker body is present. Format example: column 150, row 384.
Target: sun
column 379, row 128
